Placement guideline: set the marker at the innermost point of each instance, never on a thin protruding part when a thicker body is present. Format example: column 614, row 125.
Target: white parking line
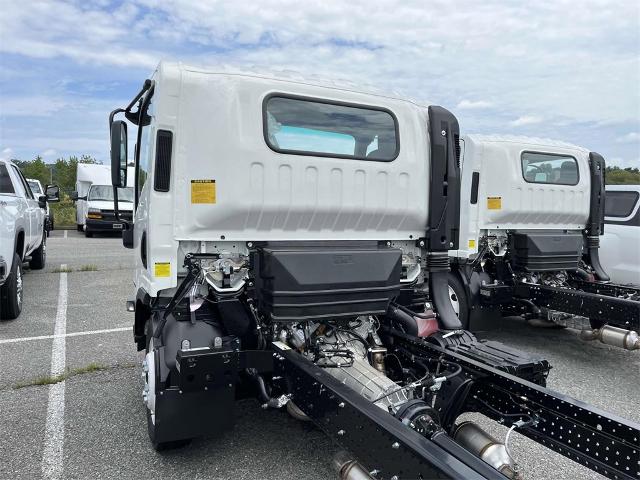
column 52, row 456
column 65, row 234
column 65, row 335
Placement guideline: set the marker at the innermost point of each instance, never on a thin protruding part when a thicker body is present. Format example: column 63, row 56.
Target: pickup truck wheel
column 148, row 369
column 11, row 292
column 39, row 256
column 79, row 227
column 458, row 297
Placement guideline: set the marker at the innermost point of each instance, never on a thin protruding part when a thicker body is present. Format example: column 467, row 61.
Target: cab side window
column 6, row 186
column 620, row 204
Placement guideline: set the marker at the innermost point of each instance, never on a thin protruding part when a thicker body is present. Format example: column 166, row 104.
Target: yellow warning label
column 203, row 191
column 162, row 269
column 472, row 243
column 494, row 203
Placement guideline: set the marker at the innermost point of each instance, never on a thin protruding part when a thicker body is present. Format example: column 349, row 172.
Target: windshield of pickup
column 35, row 187
column 105, row 193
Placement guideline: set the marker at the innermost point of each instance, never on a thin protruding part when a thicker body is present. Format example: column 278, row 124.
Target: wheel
column 88, row 234
column 11, row 291
column 79, row 227
column 458, row 297
column 148, row 373
column 39, row 256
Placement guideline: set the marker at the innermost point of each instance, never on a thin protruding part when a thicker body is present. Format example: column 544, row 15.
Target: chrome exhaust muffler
column 617, row 337
column 480, row 443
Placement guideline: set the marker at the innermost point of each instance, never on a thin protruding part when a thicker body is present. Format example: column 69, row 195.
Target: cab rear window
column 321, row 128
column 620, row 204
column 549, row 168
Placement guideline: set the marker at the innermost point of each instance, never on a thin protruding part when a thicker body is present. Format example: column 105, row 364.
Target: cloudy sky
column 562, row 69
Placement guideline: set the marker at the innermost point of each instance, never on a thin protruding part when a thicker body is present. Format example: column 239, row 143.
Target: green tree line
column 622, row 176
column 62, row 172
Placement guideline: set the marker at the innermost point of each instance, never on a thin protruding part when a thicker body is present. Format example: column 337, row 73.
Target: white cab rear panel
column 506, row 201
column 265, row 195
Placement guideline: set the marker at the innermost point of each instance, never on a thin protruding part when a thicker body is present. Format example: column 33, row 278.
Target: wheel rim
column 19, row 286
column 455, row 302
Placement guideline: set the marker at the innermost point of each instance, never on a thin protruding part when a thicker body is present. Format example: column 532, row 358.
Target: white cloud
column 6, row 154
column 31, row 106
column 551, row 59
column 631, row 137
column 473, row 105
column 50, row 152
column 526, row 120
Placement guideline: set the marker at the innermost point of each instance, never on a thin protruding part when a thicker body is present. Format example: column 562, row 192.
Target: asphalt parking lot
column 92, row 425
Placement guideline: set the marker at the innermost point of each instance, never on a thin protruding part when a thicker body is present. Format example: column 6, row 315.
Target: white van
column 94, row 200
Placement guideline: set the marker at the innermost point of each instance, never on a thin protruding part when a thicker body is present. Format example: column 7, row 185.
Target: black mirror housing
column 119, row 153
column 42, row 201
column 52, row 193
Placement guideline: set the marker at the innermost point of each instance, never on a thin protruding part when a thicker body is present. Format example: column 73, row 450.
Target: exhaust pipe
column 349, row 468
column 617, row 337
column 490, row 450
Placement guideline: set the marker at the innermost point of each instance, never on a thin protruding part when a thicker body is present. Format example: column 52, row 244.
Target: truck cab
column 291, row 242
column 531, row 218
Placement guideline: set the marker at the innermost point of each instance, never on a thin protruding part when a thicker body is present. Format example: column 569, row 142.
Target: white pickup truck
column 22, row 234
column 620, row 244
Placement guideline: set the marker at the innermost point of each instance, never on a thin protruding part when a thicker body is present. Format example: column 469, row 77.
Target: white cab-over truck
column 22, row 235
column 532, row 213
column 620, row 245
column 94, row 200
column 291, row 244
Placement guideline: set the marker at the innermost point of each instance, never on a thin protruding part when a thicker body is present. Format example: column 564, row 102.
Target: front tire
column 11, row 292
column 458, row 298
column 79, row 227
column 39, row 256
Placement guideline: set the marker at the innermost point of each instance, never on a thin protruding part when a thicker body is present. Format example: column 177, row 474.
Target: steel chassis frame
column 603, row 442
column 599, row 303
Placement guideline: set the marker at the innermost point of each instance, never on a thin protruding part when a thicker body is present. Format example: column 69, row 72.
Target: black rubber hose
column 407, row 322
column 582, row 274
column 426, row 316
column 593, row 244
column 447, row 317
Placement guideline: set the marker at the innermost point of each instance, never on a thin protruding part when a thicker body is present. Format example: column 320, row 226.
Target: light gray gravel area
column 105, row 427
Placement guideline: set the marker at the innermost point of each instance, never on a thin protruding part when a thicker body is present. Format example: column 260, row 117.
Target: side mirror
column 74, row 196
column 52, row 193
column 42, row 201
column 119, row 153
